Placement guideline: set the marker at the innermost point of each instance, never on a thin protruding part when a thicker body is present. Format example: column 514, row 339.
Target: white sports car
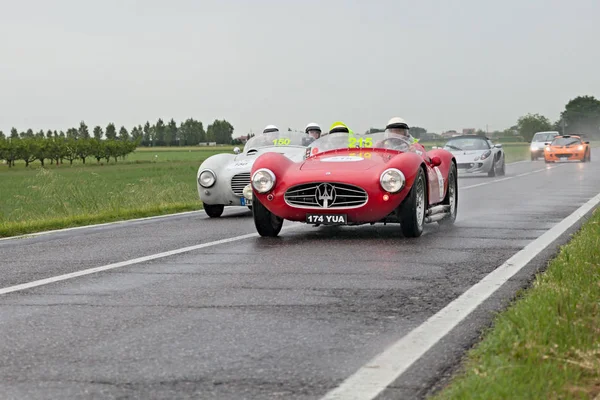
column 477, row 154
column 221, row 178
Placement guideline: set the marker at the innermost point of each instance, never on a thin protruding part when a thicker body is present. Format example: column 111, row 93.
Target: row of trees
column 56, row 149
column 188, row 133
column 580, row 116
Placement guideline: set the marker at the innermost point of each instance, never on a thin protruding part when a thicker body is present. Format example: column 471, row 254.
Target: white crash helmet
column 397, row 123
column 270, row 128
column 313, row 126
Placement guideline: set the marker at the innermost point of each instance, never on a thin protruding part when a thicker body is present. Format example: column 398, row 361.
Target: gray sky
column 438, row 64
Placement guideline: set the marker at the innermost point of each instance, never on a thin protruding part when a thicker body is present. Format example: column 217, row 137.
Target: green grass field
column 547, row 344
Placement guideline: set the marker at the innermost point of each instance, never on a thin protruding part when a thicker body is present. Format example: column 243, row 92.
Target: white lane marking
column 377, row 374
column 511, row 177
column 133, row 261
column 120, row 222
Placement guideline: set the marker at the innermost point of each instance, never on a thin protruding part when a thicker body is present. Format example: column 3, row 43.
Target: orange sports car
column 567, row 148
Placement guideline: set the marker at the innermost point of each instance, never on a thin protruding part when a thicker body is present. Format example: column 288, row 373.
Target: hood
column 243, row 162
column 345, row 160
column 463, row 156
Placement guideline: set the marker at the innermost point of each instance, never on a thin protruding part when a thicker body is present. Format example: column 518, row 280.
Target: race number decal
column 440, row 181
column 281, row 142
column 354, row 142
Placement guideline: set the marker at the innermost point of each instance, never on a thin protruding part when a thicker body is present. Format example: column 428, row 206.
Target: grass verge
column 546, row 345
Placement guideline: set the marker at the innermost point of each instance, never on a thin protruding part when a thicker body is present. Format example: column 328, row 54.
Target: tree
column 111, row 131
column 123, row 134
column 14, row 134
column 529, row 124
column 171, row 133
column 147, row 134
column 416, row 131
column 219, row 131
column 582, row 115
column 98, row 132
column 159, row 132
column 83, row 130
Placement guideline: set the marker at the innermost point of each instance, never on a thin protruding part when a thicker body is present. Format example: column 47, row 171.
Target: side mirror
column 587, row 142
column 435, row 161
column 236, row 150
column 498, row 145
column 546, row 144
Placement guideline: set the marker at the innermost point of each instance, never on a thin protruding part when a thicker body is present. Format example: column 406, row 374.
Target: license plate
column 329, row 219
column 245, row 202
column 564, row 158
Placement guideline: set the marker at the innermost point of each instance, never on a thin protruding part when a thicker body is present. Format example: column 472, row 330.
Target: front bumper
column 377, row 204
column 554, row 156
column 474, row 167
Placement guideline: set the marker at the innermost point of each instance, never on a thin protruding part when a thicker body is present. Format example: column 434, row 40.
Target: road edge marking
column 119, row 222
column 133, row 261
column 377, row 374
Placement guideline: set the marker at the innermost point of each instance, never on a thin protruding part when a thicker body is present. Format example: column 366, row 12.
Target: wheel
column 492, row 171
column 533, row 158
column 214, row 210
column 412, row 210
column 267, row 223
column 502, row 171
column 451, row 198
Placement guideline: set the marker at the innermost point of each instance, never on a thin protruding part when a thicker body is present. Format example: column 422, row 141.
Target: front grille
column 326, row 195
column 239, row 182
column 562, row 155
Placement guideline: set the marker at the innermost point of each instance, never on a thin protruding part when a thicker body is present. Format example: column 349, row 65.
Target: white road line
column 385, row 368
column 133, row 261
column 510, row 177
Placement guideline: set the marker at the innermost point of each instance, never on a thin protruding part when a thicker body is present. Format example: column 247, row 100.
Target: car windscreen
column 277, row 138
column 343, row 140
column 467, row 144
column 543, row 137
column 565, row 141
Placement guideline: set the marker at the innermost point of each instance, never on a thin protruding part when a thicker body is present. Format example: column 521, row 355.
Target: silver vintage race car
column 221, row 178
column 477, row 154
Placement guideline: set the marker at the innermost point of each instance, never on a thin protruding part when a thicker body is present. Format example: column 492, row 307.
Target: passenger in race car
column 313, row 130
column 397, row 137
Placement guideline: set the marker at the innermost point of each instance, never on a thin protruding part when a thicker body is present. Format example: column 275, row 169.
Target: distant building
column 468, row 131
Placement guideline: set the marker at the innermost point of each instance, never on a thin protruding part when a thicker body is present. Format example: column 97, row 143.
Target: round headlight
column 247, row 192
column 207, row 178
column 392, row 180
column 263, row 180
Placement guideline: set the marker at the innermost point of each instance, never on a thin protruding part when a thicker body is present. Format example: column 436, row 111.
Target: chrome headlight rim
column 211, row 172
column 401, row 178
column 269, row 173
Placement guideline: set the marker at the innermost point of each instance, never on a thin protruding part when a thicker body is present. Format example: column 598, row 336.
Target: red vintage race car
column 353, row 179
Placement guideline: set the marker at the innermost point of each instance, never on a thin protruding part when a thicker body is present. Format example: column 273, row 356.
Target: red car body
column 355, row 175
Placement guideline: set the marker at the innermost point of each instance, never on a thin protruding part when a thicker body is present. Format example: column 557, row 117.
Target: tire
column 502, row 171
column 412, row 210
column 451, row 197
column 214, row 210
column 492, row 171
column 533, row 158
column 267, row 223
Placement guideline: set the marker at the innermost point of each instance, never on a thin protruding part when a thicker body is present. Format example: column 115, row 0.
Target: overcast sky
column 438, row 64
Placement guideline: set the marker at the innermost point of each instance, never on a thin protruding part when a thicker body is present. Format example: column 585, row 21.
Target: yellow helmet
column 339, row 126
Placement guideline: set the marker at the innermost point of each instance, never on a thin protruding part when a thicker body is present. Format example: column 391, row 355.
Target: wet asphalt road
column 289, row 317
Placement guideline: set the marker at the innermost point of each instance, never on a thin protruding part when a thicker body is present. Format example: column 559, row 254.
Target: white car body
column 477, row 154
column 232, row 171
column 539, row 142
